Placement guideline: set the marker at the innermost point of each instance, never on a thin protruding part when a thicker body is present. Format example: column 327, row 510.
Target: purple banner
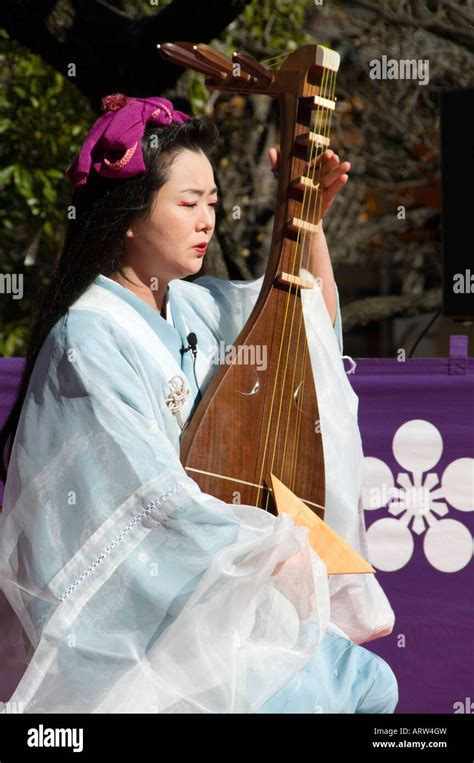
column 417, row 423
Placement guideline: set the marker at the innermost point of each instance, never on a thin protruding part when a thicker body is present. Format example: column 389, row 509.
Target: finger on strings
column 334, row 175
column 330, row 192
column 327, row 157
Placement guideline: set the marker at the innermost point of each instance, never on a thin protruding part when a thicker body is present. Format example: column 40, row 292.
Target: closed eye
column 211, row 204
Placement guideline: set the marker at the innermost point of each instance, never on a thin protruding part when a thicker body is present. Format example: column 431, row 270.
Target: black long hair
column 104, row 211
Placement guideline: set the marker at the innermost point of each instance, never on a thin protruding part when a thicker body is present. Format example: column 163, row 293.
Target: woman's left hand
column 326, row 169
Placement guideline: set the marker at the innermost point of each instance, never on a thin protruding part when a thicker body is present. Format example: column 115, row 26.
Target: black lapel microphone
column 192, row 344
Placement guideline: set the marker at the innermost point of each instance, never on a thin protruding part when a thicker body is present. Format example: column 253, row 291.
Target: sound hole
column 302, row 397
column 247, row 382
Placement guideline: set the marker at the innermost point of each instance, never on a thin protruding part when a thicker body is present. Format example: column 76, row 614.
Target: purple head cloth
column 113, row 144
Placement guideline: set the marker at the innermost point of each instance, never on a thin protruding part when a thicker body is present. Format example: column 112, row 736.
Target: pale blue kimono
column 138, row 592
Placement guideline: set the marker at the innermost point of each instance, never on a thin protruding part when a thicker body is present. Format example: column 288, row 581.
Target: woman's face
column 182, row 217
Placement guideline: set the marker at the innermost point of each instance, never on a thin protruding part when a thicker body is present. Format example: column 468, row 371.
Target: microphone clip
column 192, row 344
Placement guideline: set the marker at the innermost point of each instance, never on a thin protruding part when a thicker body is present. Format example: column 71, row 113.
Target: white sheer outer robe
column 138, row 592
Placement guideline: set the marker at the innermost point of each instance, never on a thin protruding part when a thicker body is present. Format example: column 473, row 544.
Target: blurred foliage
column 43, row 121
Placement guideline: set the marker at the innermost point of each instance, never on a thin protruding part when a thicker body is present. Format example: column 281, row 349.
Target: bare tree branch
column 371, row 309
column 451, row 27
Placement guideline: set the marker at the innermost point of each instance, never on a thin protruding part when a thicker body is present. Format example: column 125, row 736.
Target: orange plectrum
column 338, row 556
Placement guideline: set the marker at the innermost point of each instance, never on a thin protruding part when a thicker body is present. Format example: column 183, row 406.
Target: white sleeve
column 338, row 322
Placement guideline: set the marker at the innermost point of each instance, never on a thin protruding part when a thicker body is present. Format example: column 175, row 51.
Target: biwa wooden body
column 261, row 418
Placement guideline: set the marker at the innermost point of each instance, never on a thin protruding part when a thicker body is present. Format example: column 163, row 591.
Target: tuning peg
column 215, row 57
column 187, row 57
column 250, row 65
column 186, row 44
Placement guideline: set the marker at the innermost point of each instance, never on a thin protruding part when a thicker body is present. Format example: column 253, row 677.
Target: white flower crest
column 420, row 501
